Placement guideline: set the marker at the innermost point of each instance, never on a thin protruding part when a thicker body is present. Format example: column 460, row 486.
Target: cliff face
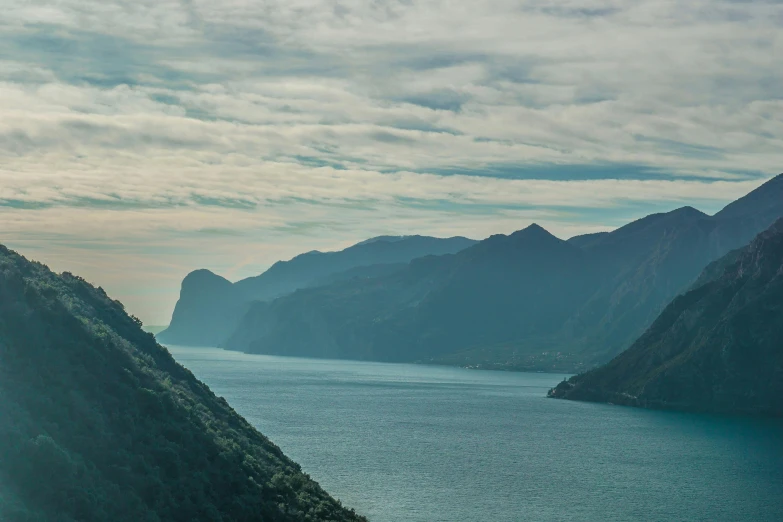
column 716, row 348
column 98, row 422
column 210, row 307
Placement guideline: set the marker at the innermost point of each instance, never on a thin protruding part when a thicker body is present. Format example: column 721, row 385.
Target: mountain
column 506, row 288
column 98, row 422
column 210, row 307
column 526, row 301
column 650, row 261
column 717, row 348
column 524, row 285
column 643, row 266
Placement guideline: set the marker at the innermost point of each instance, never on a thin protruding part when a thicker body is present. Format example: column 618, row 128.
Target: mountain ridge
column 716, row 348
column 208, row 315
column 611, row 287
column 413, row 299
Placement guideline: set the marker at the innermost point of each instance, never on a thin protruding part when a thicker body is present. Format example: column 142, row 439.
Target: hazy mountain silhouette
column 717, row 348
column 648, row 262
column 98, row 422
column 523, row 301
column 210, row 307
column 500, row 289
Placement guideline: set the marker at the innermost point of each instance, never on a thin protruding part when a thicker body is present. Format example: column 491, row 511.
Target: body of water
column 426, row 443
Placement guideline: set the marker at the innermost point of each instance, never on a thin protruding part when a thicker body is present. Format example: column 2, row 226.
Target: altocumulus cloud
column 139, row 140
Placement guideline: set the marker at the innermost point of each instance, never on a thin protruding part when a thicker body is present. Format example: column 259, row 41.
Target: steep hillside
column 644, row 265
column 210, row 307
column 650, row 261
column 716, row 348
column 98, row 422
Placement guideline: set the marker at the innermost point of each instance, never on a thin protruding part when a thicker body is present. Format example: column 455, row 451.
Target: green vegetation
column 716, row 348
column 99, row 423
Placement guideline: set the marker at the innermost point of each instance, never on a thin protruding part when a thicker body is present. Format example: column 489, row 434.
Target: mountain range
column 525, row 301
column 716, row 348
column 210, row 307
column 98, row 422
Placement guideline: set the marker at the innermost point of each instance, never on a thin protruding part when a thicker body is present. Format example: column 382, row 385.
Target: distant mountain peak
column 203, row 281
column 533, row 231
column 653, row 222
column 687, row 211
column 202, row 274
column 531, row 238
column 199, row 272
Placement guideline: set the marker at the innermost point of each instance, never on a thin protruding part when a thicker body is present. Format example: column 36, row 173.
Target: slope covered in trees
column 98, row 422
column 716, row 348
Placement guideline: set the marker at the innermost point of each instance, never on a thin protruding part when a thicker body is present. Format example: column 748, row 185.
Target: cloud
column 142, row 139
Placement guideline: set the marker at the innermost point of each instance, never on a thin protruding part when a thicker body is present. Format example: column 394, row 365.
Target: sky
column 142, row 139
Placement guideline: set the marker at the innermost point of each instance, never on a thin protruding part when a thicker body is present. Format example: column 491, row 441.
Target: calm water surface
column 424, row 443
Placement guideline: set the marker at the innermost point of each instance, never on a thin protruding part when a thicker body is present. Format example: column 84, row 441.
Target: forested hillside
column 717, row 348
column 99, row 423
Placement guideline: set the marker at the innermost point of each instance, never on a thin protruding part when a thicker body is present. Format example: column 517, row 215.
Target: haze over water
column 426, row 443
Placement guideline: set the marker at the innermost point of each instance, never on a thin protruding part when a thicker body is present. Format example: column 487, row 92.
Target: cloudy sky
column 142, row 139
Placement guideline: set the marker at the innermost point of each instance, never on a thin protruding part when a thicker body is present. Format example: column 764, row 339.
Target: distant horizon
column 144, row 140
column 161, row 321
